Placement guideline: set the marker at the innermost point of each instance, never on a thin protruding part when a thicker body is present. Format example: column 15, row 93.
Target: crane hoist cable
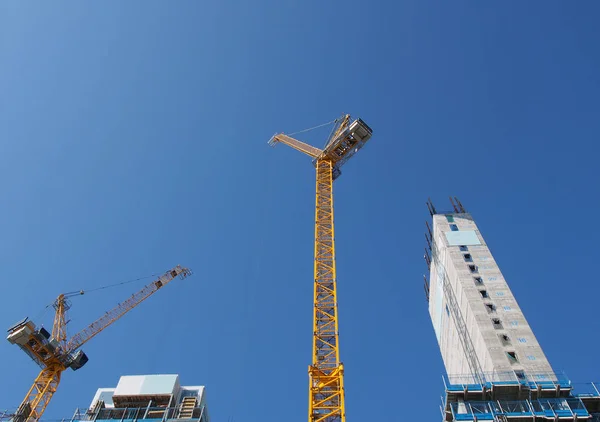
column 108, row 286
column 42, row 314
column 312, row 128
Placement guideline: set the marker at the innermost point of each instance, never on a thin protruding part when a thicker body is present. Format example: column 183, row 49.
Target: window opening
column 504, row 339
column 454, row 227
column 473, row 268
column 512, row 356
column 490, row 307
column 483, row 294
column 450, row 219
column 478, row 280
column 463, row 248
column 497, row 323
column 468, row 257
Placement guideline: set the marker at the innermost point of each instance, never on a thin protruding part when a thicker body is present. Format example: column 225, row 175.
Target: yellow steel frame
column 39, row 395
column 41, row 392
column 326, row 374
column 326, row 401
column 59, row 328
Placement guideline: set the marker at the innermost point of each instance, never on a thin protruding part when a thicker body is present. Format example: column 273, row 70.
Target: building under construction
column 495, row 367
column 157, row 397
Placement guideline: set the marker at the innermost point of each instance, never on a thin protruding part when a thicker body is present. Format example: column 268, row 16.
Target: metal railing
column 532, row 379
column 137, row 413
column 585, row 390
column 496, row 410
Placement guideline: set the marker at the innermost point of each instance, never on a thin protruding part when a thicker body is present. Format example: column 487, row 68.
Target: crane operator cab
column 41, row 347
column 347, row 143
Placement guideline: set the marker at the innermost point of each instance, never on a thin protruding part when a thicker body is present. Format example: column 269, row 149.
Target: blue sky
column 133, row 138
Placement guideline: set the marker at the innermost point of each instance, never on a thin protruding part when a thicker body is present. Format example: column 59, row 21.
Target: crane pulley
column 54, row 353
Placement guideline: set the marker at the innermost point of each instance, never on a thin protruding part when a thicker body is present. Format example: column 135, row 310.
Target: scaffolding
column 504, row 397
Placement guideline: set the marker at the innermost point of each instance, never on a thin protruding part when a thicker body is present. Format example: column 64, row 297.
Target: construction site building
column 495, row 367
column 149, row 397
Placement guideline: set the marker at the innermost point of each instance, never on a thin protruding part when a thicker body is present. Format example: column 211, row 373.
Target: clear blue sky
column 133, row 138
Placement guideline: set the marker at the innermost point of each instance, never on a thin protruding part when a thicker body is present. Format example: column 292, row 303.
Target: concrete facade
column 480, row 328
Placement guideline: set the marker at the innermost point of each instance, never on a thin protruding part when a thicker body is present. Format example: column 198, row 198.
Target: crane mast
column 326, row 402
column 54, row 354
column 326, row 374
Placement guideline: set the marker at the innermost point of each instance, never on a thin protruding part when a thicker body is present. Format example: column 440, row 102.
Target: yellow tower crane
column 326, row 373
column 54, row 353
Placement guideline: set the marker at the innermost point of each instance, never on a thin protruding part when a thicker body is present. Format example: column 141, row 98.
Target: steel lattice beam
column 326, row 374
column 40, row 393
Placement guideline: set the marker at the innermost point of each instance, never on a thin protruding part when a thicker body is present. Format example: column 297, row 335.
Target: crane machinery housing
column 54, row 353
column 326, row 373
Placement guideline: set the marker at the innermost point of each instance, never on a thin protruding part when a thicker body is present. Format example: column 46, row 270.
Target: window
column 473, row 268
column 506, row 308
column 504, row 339
column 478, row 280
column 514, row 323
column 464, row 248
column 492, row 278
column 497, row 323
column 450, row 219
column 454, row 227
column 483, row 294
column 490, row 307
column 530, row 357
column 447, row 311
column 468, row 257
column 512, row 357
column 499, row 293
column 522, row 339
column 520, row 374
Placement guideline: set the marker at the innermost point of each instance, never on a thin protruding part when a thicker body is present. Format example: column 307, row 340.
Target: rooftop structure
column 148, row 397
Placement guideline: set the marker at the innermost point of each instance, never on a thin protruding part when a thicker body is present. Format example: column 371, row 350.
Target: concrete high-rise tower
column 496, row 369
